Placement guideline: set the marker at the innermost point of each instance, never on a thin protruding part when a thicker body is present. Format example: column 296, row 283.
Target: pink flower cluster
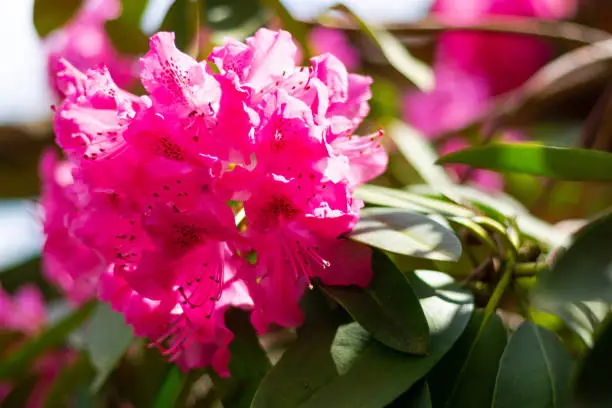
column 85, row 44
column 24, row 314
column 146, row 207
column 472, row 68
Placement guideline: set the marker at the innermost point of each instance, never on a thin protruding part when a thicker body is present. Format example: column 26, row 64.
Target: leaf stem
column 529, row 269
column 500, row 289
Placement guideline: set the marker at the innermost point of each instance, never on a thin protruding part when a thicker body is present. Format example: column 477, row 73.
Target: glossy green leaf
column 171, row 389
column 17, row 363
column 52, row 14
column 465, row 377
column 396, row 198
column 394, row 51
column 538, row 160
column 592, row 386
column 509, row 207
column 307, row 364
column 584, row 271
column 407, row 233
column 249, row 363
column 342, row 365
column 125, row 32
column 535, row 371
column 70, row 378
column 388, row 308
column 141, row 390
column 584, row 318
column 107, row 338
column 418, row 396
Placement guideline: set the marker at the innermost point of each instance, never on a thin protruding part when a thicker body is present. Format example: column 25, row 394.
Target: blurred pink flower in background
column 85, row 44
column 337, row 43
column 24, row 312
column 472, row 68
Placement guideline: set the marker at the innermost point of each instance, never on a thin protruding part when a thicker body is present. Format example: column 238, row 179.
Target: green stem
column 529, row 269
column 499, row 291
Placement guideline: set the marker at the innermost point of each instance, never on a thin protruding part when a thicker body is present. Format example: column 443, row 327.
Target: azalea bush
column 244, row 209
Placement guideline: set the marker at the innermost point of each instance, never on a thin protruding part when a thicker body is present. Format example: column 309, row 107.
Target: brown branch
column 558, row 30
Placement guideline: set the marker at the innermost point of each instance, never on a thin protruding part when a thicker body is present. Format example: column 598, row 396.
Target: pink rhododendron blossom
column 68, row 263
column 84, row 43
column 143, row 201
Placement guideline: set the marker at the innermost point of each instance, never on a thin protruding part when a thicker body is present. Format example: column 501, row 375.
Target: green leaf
column 171, row 389
column 69, row 380
column 592, row 385
column 225, row 15
column 465, row 377
column 395, row 198
column 52, row 14
column 125, row 32
column 106, row 339
column 406, row 233
column 20, row 152
column 388, row 308
column 342, row 365
column 529, row 158
column 21, row 392
column 535, row 371
column 584, row 271
column 394, row 51
column 135, row 387
column 584, row 318
column 17, row 363
column 504, row 204
column 183, row 20
column 248, row 366
column 420, row 154
column 418, row 396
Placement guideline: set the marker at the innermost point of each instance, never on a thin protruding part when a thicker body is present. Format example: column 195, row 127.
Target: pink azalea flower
column 329, row 40
column 145, row 200
column 85, row 44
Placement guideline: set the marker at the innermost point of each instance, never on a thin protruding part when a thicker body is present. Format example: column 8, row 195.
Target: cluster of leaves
column 474, row 302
